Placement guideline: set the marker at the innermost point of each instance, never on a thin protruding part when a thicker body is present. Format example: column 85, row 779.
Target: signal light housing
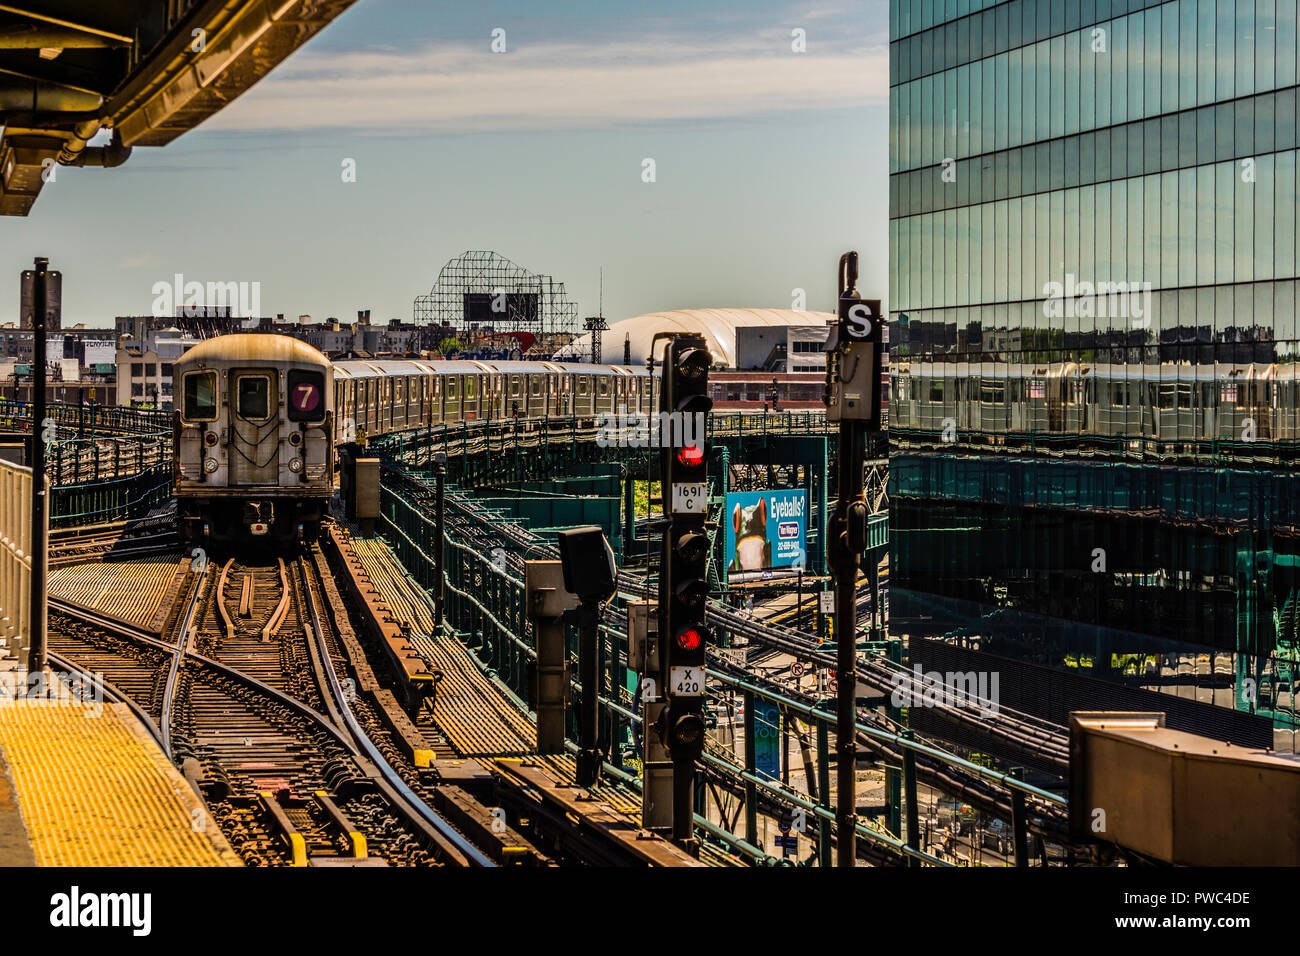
column 693, row 547
column 692, row 456
column 683, row 578
column 692, row 593
column 693, row 364
column 688, row 731
column 210, row 438
column 690, row 639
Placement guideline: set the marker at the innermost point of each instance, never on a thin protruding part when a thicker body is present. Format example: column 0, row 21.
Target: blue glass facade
column 1095, row 406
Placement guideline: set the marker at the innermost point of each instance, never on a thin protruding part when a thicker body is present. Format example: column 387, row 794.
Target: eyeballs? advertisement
column 766, row 529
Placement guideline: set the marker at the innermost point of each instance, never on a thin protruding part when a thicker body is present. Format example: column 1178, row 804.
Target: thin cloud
column 452, row 88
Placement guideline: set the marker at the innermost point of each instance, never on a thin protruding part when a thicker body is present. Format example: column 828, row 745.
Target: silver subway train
column 260, row 417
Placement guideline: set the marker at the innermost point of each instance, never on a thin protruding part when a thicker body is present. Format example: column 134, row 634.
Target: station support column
column 45, row 286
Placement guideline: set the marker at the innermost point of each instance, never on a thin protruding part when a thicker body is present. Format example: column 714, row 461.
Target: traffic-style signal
column 683, row 581
column 685, row 403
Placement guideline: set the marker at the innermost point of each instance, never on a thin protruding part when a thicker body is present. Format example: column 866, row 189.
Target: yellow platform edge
column 94, row 789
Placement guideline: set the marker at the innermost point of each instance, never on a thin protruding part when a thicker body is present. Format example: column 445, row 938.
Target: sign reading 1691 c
column 690, row 497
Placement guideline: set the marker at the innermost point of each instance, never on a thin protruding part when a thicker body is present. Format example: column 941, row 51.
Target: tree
column 449, row 345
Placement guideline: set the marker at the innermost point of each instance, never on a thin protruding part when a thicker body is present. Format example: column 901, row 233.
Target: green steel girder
column 511, row 451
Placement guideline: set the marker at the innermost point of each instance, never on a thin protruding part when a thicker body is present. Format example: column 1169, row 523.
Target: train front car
column 254, row 439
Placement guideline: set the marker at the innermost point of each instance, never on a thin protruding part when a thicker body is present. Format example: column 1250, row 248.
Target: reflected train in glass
column 1246, row 412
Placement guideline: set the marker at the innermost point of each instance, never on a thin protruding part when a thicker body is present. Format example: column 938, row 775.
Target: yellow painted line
column 95, row 790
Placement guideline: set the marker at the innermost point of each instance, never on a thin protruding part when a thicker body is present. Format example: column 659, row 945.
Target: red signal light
column 692, row 456
column 690, row 639
column 210, row 438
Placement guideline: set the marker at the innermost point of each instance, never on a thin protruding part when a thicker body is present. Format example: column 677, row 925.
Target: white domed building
column 758, row 340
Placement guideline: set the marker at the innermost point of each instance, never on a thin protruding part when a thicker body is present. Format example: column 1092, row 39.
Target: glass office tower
column 1094, row 396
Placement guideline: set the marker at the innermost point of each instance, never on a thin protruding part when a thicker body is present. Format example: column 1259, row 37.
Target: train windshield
column 200, row 401
column 255, row 397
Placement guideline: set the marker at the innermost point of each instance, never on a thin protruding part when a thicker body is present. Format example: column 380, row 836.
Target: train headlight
column 295, row 439
column 210, row 465
column 295, row 465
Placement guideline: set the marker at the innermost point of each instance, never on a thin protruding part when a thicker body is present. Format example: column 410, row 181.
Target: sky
column 768, row 164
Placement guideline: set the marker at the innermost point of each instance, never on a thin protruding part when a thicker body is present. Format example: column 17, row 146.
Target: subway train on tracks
column 259, row 419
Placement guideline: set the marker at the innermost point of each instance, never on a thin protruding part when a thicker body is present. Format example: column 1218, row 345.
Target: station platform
column 85, row 785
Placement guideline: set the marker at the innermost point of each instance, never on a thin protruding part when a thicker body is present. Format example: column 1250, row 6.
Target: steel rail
column 459, row 843
column 178, row 654
column 141, row 636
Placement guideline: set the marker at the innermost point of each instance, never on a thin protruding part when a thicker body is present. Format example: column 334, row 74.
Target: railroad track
column 288, row 783
column 271, row 706
column 486, row 742
column 97, row 649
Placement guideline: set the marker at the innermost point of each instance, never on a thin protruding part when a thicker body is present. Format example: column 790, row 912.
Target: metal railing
column 15, row 558
column 113, row 499
column 92, row 419
column 94, row 443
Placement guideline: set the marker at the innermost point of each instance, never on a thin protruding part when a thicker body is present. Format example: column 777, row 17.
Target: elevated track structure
column 104, row 463
column 499, row 513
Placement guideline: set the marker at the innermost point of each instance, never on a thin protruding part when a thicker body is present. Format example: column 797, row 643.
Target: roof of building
column 718, row 326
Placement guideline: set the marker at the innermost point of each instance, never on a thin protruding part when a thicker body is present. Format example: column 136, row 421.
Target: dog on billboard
column 753, row 549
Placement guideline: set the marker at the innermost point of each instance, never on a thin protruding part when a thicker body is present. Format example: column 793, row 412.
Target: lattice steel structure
column 481, row 291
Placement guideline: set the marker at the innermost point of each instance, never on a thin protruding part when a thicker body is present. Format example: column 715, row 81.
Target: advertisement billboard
column 766, row 529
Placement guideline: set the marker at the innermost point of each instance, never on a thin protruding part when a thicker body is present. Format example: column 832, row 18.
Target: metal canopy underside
column 148, row 69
